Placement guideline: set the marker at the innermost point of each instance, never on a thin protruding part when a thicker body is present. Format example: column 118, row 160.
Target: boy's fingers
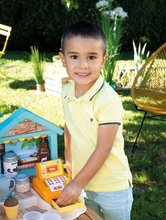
column 64, row 201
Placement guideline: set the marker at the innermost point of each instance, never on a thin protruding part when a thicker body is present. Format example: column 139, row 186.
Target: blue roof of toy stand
column 22, row 114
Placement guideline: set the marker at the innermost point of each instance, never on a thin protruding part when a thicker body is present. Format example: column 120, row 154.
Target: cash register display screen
column 51, row 169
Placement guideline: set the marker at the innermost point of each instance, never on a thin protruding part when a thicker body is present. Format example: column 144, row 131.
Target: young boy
column 94, row 145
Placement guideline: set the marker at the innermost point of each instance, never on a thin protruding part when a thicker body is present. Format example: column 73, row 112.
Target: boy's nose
column 83, row 64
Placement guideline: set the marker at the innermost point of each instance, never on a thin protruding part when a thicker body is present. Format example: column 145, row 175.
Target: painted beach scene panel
column 26, row 151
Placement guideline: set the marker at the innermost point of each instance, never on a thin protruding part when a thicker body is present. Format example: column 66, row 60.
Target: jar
column 43, row 150
column 0, row 163
column 10, row 164
column 22, row 183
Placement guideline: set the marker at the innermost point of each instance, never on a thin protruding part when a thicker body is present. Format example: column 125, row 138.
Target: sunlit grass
column 142, row 177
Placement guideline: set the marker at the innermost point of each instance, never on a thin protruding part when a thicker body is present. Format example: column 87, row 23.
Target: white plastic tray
column 32, row 201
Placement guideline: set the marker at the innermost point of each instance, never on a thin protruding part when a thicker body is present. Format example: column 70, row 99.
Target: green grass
column 148, row 162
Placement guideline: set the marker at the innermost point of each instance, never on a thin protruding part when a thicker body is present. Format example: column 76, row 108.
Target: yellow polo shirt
column 83, row 115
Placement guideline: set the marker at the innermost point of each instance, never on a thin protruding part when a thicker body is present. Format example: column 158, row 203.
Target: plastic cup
column 50, row 215
column 32, row 215
column 7, row 185
column 11, row 212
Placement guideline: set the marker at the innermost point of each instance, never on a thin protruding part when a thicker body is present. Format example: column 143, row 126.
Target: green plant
column 139, row 55
column 38, row 63
column 31, row 143
column 111, row 22
column 70, row 4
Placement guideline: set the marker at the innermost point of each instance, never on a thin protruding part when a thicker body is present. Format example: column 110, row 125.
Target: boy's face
column 83, row 59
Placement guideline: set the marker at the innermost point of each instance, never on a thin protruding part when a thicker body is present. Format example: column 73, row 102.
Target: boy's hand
column 69, row 194
column 69, row 170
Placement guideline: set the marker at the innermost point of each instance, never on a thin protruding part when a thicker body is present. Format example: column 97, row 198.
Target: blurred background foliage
column 41, row 23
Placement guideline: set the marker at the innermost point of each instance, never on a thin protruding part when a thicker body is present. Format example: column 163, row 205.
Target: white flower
column 105, row 13
column 120, row 12
column 102, row 4
column 112, row 14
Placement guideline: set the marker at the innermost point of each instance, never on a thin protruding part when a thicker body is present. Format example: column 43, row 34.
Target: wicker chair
column 149, row 87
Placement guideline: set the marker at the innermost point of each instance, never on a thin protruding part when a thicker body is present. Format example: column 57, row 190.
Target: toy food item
column 11, row 207
column 22, row 183
column 10, row 164
column 11, row 201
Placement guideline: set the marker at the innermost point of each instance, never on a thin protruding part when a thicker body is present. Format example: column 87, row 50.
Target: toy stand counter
column 23, row 133
column 31, row 201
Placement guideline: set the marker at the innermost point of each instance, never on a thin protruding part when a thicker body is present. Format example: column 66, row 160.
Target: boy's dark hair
column 84, row 29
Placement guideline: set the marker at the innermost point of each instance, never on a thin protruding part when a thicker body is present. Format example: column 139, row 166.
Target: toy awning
column 23, row 124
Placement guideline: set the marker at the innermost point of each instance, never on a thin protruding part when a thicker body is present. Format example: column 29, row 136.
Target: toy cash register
column 49, row 182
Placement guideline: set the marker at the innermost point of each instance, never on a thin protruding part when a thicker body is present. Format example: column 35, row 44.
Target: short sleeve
column 109, row 110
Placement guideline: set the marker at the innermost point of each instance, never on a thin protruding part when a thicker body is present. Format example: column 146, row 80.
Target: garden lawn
column 148, row 162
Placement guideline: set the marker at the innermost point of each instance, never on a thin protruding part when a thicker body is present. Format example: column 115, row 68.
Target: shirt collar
column 97, row 86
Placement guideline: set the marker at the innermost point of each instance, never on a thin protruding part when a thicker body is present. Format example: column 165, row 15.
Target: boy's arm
column 67, row 140
column 106, row 137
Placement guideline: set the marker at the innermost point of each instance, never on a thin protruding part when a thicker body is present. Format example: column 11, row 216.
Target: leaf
column 28, row 142
column 143, row 49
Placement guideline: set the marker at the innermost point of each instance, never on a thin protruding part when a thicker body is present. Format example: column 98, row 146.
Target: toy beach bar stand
column 49, row 182
column 22, row 132
column 33, row 141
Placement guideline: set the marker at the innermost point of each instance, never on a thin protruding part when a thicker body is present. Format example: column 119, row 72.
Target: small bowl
column 51, row 215
column 32, row 215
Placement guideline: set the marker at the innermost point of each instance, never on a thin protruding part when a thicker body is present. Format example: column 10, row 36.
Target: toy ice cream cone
column 11, row 206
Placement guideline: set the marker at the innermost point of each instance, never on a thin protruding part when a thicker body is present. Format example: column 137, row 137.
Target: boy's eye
column 74, row 57
column 92, row 57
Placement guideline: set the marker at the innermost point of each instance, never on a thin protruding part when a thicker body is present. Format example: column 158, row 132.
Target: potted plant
column 38, row 63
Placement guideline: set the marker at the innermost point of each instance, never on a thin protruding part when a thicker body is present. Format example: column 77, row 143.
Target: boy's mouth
column 80, row 74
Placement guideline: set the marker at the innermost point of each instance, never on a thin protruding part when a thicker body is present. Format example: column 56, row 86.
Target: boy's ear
column 62, row 59
column 105, row 57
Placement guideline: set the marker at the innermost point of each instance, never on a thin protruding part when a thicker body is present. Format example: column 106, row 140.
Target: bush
column 41, row 23
column 146, row 22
